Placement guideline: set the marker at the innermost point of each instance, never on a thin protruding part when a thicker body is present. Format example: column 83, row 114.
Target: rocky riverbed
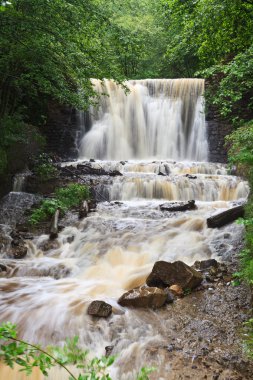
column 196, row 334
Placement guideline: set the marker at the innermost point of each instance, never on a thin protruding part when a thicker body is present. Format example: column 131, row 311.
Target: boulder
column 144, row 297
column 19, row 251
column 100, row 309
column 165, row 274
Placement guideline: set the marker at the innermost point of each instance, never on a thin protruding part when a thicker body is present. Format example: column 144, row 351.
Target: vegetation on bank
column 28, row 356
column 64, row 199
column 240, row 144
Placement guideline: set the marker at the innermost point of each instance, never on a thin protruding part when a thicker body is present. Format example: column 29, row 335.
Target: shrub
column 44, row 167
column 64, row 199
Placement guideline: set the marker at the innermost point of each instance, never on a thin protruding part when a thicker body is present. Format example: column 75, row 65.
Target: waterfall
column 152, row 137
column 161, row 118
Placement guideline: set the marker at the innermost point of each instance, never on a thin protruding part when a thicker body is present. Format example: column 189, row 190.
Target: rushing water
column 158, row 118
column 114, row 248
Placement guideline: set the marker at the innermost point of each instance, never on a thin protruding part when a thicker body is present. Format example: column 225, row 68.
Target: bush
column 44, row 168
column 64, row 199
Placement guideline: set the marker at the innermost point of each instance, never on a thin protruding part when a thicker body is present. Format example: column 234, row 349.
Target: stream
column 163, row 160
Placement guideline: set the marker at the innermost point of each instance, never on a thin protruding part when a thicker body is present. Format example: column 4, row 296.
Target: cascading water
column 114, row 249
column 161, row 118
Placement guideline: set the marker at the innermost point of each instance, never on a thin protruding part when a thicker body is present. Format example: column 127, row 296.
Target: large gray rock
column 99, row 309
column 144, row 297
column 166, row 274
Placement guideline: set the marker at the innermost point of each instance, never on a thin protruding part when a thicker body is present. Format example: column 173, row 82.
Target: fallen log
column 190, row 205
column 225, row 217
column 53, row 233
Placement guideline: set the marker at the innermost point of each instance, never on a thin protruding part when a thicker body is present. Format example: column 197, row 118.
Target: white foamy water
column 161, row 118
column 111, row 251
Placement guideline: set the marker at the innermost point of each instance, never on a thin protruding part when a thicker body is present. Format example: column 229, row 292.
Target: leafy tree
column 51, row 49
column 138, row 37
column 213, row 38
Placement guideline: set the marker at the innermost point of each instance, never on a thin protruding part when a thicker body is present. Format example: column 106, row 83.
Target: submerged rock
column 48, row 244
column 100, row 309
column 144, row 297
column 165, row 274
column 18, row 248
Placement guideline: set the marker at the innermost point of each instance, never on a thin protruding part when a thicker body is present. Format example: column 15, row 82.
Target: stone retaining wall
column 216, row 132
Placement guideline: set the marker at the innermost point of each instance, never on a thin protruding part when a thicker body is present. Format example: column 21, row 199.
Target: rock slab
column 165, row 274
column 144, row 297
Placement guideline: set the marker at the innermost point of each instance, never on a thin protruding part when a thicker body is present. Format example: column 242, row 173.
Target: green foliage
column 44, row 167
column 240, row 144
column 27, row 356
column 213, row 38
column 45, row 171
column 65, row 198
column 137, row 37
column 231, row 87
column 144, row 372
column 248, row 337
column 50, row 49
